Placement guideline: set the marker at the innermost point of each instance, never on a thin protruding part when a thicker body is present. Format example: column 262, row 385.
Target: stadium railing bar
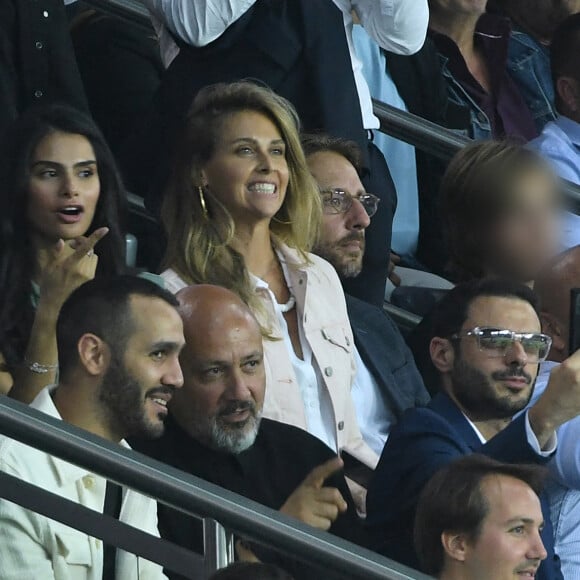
column 224, row 513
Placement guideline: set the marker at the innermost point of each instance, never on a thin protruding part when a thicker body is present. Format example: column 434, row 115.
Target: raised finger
column 85, row 246
column 318, row 475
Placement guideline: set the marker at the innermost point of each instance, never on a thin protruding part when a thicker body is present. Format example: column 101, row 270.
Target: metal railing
column 196, row 497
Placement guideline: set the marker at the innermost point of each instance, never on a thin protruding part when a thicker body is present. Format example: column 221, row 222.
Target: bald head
column 206, row 308
column 223, row 369
column 553, row 288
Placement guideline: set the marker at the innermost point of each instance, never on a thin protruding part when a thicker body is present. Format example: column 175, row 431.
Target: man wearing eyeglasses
column 487, row 344
column 387, row 381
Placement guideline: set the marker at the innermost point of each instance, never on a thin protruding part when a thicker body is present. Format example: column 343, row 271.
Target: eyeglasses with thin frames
column 337, row 201
column 497, row 342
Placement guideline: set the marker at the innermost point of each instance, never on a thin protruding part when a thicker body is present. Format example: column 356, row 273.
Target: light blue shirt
column 559, row 142
column 400, row 156
column 564, row 489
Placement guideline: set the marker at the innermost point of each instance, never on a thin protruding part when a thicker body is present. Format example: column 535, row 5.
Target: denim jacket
column 529, row 67
column 480, row 126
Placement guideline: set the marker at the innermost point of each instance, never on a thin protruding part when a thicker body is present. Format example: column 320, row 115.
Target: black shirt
column 278, row 462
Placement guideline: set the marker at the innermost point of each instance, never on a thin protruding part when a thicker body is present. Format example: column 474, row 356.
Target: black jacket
column 37, row 60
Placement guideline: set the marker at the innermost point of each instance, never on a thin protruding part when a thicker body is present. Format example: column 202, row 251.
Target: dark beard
column 122, row 397
column 347, row 265
column 475, row 392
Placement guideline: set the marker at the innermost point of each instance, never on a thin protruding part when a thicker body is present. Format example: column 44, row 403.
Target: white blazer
column 33, row 547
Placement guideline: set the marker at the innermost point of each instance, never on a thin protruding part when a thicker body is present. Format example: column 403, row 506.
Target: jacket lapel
column 444, row 406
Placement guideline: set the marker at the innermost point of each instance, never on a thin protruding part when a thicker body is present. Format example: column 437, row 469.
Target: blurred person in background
column 61, row 212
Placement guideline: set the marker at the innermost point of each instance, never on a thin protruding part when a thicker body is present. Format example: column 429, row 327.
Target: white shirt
column 375, row 418
column 35, row 547
column 397, row 25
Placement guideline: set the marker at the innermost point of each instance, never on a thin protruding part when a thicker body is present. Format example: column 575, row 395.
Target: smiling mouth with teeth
column 264, row 188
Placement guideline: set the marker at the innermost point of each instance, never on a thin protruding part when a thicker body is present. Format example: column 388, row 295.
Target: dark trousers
column 369, row 285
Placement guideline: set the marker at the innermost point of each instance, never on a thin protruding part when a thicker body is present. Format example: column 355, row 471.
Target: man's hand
column 560, row 401
column 314, row 504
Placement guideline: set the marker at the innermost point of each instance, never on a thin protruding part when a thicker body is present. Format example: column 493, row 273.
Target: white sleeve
column 396, row 25
column 198, row 22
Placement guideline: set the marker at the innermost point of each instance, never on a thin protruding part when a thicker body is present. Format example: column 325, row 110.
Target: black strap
column 112, row 507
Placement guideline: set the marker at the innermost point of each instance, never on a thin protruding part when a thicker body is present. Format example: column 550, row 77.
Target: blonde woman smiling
column 242, row 211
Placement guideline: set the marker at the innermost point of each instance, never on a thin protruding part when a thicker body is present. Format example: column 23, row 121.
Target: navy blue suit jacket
column 387, row 357
column 419, row 445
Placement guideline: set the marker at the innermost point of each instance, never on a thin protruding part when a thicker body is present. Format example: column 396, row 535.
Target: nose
column 357, row 216
column 264, row 162
column 516, row 354
column 173, row 377
column 536, row 549
column 69, row 186
column 238, row 389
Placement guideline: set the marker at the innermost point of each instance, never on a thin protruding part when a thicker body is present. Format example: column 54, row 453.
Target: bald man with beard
column 553, row 288
column 215, row 431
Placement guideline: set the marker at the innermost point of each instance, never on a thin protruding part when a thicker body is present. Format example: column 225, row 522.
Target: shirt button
column 39, row 45
column 88, row 482
column 328, row 371
column 38, row 94
column 341, row 425
column 45, row 14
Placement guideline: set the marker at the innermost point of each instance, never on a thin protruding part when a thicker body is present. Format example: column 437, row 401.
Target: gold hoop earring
column 202, row 202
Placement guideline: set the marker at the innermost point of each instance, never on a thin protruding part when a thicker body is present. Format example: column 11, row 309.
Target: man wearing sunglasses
column 487, row 344
column 387, row 382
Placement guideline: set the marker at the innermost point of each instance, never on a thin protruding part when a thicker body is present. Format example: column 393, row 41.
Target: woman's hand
column 69, row 265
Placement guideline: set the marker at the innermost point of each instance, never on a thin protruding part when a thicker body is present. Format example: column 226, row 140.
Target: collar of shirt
column 492, row 35
column 66, row 472
column 477, row 431
column 570, row 128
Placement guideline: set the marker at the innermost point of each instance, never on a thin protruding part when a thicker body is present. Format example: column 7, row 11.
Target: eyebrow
column 254, row 355
column 166, row 345
column 56, row 164
column 523, row 521
column 252, row 140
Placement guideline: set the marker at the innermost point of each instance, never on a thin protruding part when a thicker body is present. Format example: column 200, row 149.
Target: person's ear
column 442, row 354
column 94, row 355
column 455, row 546
column 555, row 330
column 569, row 92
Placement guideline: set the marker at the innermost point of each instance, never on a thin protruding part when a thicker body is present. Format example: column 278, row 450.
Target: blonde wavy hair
column 199, row 245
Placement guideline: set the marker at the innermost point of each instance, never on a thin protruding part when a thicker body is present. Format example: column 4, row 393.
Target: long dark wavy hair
column 17, row 254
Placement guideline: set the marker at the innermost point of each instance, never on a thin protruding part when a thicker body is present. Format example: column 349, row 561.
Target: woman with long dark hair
column 60, row 195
